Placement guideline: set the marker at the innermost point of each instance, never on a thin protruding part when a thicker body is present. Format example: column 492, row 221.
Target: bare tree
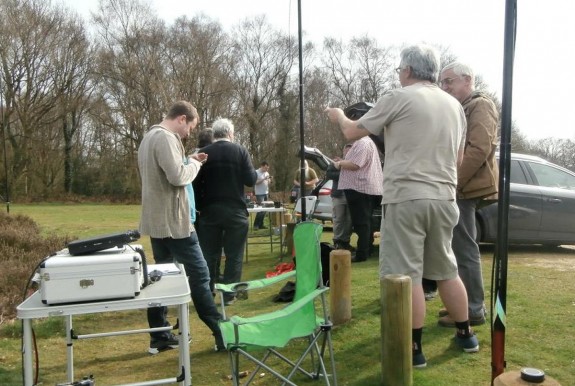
column 320, row 133
column 131, row 66
column 201, row 66
column 519, row 143
column 360, row 70
column 265, row 59
column 39, row 57
column 286, row 138
column 375, row 68
column 82, row 104
column 557, row 150
column 339, row 62
column 72, row 71
column 446, row 56
column 131, row 63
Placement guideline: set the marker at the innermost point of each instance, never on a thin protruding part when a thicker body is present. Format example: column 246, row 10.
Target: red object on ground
column 281, row 268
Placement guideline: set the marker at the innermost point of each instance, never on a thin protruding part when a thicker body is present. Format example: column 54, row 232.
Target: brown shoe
column 446, row 321
column 443, row 312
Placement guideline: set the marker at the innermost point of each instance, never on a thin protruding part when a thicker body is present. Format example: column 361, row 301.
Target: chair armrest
column 254, row 284
column 292, row 307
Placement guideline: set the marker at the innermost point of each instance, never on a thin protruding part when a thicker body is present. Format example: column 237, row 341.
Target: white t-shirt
column 424, row 127
column 261, row 188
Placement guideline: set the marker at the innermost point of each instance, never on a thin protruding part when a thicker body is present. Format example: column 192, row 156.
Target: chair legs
column 234, row 357
column 316, row 353
column 271, row 331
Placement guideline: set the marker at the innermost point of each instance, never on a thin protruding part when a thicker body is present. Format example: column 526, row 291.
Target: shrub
column 22, row 247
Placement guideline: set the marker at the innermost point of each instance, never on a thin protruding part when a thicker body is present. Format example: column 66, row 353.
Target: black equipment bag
column 99, row 243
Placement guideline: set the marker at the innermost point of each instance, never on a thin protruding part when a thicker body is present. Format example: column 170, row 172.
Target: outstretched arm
column 350, row 129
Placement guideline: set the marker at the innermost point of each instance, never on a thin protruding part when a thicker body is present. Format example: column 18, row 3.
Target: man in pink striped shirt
column 361, row 178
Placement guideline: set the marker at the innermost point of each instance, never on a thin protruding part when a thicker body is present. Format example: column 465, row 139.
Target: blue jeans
column 187, row 252
column 220, row 226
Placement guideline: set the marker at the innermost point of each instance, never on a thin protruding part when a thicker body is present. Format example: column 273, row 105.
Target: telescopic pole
column 499, row 280
column 301, row 115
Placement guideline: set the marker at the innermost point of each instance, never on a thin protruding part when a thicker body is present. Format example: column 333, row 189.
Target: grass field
column 541, row 317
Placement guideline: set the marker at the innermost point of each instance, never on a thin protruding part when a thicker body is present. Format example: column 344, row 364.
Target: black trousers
column 361, row 209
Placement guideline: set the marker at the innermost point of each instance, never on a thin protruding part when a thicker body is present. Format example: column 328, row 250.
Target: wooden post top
column 513, row 378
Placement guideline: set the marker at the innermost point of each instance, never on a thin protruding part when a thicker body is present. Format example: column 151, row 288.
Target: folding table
column 269, row 211
column 171, row 290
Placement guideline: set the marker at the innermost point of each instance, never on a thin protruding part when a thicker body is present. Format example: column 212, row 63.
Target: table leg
column 281, row 235
column 27, row 337
column 69, row 349
column 271, row 232
column 183, row 316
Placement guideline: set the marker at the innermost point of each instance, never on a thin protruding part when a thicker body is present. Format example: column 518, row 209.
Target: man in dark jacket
column 223, row 219
column 477, row 178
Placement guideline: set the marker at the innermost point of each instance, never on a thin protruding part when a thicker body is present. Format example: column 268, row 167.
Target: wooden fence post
column 396, row 342
column 513, row 378
column 340, row 286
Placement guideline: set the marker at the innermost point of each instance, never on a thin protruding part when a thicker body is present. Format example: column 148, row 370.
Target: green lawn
column 541, row 317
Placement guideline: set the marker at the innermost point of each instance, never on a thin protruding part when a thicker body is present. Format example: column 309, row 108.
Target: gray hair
column 461, row 69
column 223, row 128
column 423, row 60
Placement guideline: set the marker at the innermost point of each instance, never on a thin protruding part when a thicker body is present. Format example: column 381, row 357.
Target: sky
column 472, row 30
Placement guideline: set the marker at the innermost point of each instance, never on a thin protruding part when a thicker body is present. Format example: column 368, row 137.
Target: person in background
column 477, row 178
column 310, row 179
column 341, row 217
column 261, row 191
column 424, row 131
column 223, row 219
column 166, row 217
column 361, row 179
column 429, row 288
column 205, row 137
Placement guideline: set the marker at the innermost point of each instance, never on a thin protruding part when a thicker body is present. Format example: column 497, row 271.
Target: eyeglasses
column 447, row 81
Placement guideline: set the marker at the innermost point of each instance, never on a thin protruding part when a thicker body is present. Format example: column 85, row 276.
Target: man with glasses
column 477, row 178
column 166, row 172
column 423, row 129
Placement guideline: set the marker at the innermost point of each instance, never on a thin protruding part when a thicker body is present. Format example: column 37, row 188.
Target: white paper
column 166, row 269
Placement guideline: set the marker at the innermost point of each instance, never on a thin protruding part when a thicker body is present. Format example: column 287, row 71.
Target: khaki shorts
column 416, row 240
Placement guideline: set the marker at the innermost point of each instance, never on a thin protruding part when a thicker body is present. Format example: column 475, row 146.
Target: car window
column 516, row 174
column 551, row 177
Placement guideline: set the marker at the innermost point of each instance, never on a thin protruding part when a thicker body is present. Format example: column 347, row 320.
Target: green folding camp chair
column 303, row 318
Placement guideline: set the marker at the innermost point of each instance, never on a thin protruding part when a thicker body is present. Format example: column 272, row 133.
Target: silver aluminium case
column 113, row 273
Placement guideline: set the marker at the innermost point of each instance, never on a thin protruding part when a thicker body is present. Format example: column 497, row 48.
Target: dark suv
column 541, row 204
